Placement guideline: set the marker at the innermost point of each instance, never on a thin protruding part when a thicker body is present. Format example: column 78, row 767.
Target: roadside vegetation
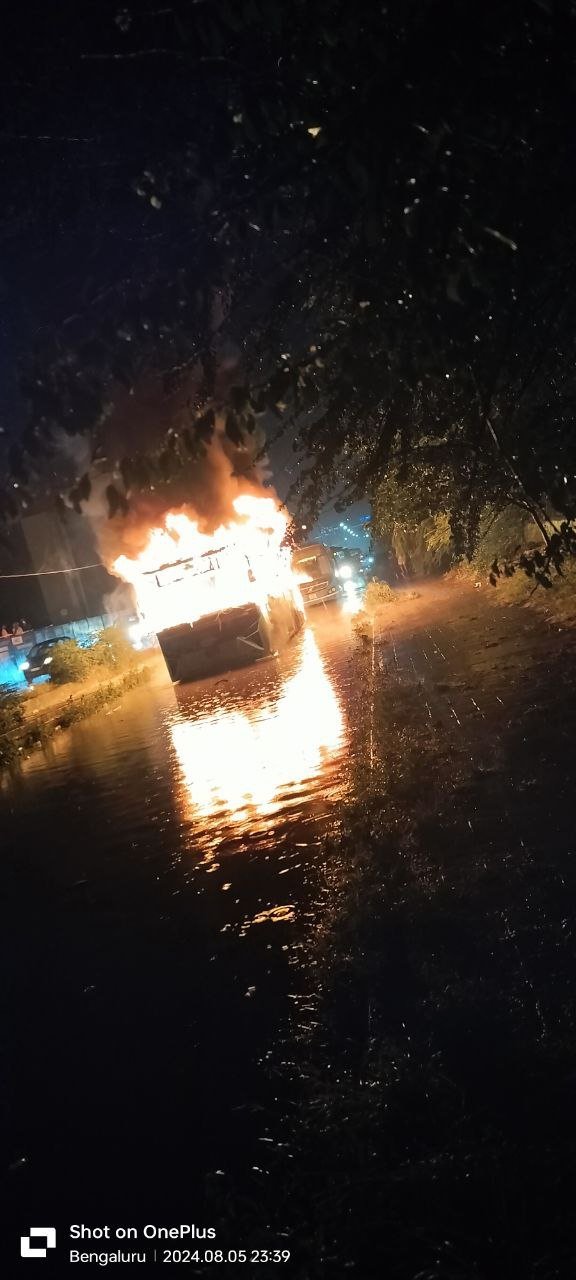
column 71, row 663
column 527, row 560
column 108, row 669
column 514, row 559
column 557, row 605
column 378, row 596
column 19, row 734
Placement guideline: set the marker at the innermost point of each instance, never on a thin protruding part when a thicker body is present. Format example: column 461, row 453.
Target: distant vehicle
column 352, row 568
column 316, row 570
column 39, row 658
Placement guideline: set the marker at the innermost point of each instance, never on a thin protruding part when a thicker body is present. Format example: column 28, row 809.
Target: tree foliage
column 541, row 563
column 375, row 212
column 70, row 663
column 110, row 653
column 112, row 650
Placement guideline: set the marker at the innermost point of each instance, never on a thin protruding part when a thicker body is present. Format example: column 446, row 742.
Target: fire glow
column 243, row 765
column 183, row 574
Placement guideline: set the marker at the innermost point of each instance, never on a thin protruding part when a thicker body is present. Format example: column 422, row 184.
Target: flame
column 240, row 767
column 183, row 573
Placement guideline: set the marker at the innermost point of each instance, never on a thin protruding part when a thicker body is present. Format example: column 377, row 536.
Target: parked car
column 39, row 658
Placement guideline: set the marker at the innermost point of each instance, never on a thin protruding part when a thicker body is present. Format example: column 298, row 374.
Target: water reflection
column 242, row 765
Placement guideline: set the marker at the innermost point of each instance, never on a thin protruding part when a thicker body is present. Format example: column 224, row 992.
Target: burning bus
column 217, row 600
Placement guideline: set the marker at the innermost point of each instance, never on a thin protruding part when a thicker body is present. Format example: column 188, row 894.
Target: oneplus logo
column 48, row 1237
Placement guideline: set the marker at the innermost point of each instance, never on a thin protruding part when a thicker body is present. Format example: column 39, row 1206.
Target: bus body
column 217, row 640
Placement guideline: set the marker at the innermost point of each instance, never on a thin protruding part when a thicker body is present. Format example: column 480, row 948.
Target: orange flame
column 183, row 574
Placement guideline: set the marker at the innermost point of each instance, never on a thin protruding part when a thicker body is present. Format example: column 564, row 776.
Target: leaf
column 204, row 425
column 511, row 244
column 239, row 398
column 80, row 493
column 127, row 472
column 116, row 501
column 168, row 463
column 232, row 429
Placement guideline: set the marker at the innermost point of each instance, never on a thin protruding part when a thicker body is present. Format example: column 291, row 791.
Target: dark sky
column 75, row 131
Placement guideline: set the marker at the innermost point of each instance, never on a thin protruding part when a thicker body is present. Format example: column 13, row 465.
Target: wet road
column 160, row 865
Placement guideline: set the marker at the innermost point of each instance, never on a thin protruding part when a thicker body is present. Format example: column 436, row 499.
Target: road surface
column 160, row 866
column 164, row 864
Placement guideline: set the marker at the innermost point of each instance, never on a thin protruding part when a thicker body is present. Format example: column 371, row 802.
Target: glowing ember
column 183, row 574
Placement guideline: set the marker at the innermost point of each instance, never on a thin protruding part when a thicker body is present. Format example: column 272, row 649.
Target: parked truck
column 316, row 571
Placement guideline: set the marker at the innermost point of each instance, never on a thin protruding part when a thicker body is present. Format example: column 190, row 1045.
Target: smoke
column 120, row 601
column 205, row 492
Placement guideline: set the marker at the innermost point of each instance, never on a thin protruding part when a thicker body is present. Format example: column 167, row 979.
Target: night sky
column 75, row 133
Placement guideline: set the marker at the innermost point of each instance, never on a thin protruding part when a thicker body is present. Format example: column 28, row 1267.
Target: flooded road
column 161, row 867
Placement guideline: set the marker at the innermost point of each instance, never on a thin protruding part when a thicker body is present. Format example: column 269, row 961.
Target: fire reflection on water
column 242, row 767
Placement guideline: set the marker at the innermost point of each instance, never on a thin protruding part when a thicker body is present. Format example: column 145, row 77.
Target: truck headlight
column 24, row 666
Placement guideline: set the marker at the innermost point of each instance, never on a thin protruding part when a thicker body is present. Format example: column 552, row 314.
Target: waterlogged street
column 161, row 864
column 193, row 967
